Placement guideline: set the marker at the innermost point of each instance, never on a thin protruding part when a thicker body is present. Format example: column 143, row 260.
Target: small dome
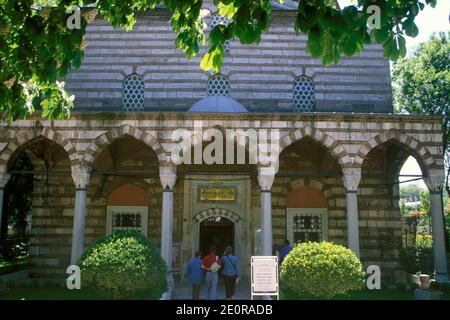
column 217, row 104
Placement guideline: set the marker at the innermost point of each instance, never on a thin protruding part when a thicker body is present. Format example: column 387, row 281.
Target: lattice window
column 304, row 95
column 127, row 221
column 133, row 93
column 218, row 85
column 307, row 224
column 216, row 20
column 127, row 218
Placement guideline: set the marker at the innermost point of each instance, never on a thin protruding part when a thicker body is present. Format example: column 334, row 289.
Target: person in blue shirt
column 230, row 272
column 285, row 250
column 195, row 273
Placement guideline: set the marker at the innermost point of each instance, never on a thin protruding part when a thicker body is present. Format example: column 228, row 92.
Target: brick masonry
column 261, row 76
column 322, row 143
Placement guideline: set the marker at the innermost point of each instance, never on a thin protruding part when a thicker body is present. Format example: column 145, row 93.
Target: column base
column 422, row 294
column 170, row 285
column 442, row 277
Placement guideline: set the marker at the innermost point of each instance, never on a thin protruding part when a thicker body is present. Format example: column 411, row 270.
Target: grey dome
column 217, row 104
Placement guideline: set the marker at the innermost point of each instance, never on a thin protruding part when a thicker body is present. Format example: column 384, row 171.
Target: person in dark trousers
column 212, row 264
column 285, row 250
column 196, row 274
column 230, row 272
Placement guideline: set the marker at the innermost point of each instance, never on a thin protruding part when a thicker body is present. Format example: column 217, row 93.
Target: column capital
column 351, row 178
column 435, row 181
column 266, row 176
column 81, row 176
column 4, row 178
column 168, row 175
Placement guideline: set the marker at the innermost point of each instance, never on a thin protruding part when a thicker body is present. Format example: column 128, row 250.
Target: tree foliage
column 37, row 47
column 422, row 86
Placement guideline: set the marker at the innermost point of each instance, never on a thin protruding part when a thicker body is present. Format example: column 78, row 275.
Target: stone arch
column 306, row 197
column 216, row 212
column 418, row 150
column 325, row 140
column 127, row 195
column 23, row 137
column 99, row 143
column 313, row 183
column 206, row 133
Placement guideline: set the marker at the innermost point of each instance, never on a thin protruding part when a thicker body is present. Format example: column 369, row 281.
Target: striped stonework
column 261, row 76
column 315, row 150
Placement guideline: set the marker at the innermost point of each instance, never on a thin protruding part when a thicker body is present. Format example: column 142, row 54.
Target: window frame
column 111, row 210
column 291, row 212
column 124, row 83
column 297, row 81
column 210, row 79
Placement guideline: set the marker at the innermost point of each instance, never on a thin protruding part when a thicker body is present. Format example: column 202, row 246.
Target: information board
column 264, row 276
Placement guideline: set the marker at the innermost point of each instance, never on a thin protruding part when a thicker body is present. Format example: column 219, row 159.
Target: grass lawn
column 9, row 266
column 27, row 293
column 51, row 294
column 58, row 293
column 364, row 295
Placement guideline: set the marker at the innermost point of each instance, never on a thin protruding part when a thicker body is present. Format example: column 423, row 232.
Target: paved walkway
column 183, row 291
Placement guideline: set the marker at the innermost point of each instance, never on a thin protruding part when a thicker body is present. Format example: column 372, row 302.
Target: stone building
column 110, row 165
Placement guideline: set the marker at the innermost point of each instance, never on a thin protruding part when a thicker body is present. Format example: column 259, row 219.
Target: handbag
column 215, row 266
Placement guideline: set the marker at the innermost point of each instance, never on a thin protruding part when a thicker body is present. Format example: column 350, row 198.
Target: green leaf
column 213, row 59
column 227, row 10
column 410, row 28
column 315, row 39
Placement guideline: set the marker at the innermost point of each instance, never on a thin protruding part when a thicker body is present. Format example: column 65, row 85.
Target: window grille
column 127, row 218
column 216, row 20
column 218, row 85
column 307, row 224
column 304, row 95
column 133, row 93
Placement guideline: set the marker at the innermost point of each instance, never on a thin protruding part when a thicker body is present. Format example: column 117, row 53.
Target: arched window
column 216, row 20
column 306, row 215
column 127, row 209
column 133, row 93
column 304, row 95
column 218, row 85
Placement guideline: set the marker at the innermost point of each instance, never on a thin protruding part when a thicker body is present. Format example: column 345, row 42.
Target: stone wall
column 52, row 213
column 261, row 76
column 372, row 142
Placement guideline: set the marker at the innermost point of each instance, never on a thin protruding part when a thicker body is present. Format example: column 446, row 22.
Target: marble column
column 435, row 185
column 265, row 179
column 168, row 176
column 351, row 178
column 4, row 178
column 80, row 176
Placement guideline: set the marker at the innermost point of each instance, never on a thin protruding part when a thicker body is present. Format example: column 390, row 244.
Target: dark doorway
column 217, row 231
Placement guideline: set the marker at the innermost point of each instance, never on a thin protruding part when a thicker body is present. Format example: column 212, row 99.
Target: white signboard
column 264, row 276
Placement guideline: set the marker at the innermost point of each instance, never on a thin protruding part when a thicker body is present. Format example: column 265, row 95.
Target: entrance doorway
column 217, row 231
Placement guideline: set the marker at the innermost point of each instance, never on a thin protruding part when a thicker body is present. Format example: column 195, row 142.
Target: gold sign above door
column 217, row 194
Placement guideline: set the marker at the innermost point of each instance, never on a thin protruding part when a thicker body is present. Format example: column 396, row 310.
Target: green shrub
column 124, row 264
column 321, row 270
column 418, row 259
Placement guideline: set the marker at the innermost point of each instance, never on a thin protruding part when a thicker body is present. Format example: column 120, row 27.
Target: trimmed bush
column 124, row 264
column 321, row 270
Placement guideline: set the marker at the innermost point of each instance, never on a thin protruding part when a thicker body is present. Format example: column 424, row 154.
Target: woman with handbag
column 211, row 264
column 230, row 272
